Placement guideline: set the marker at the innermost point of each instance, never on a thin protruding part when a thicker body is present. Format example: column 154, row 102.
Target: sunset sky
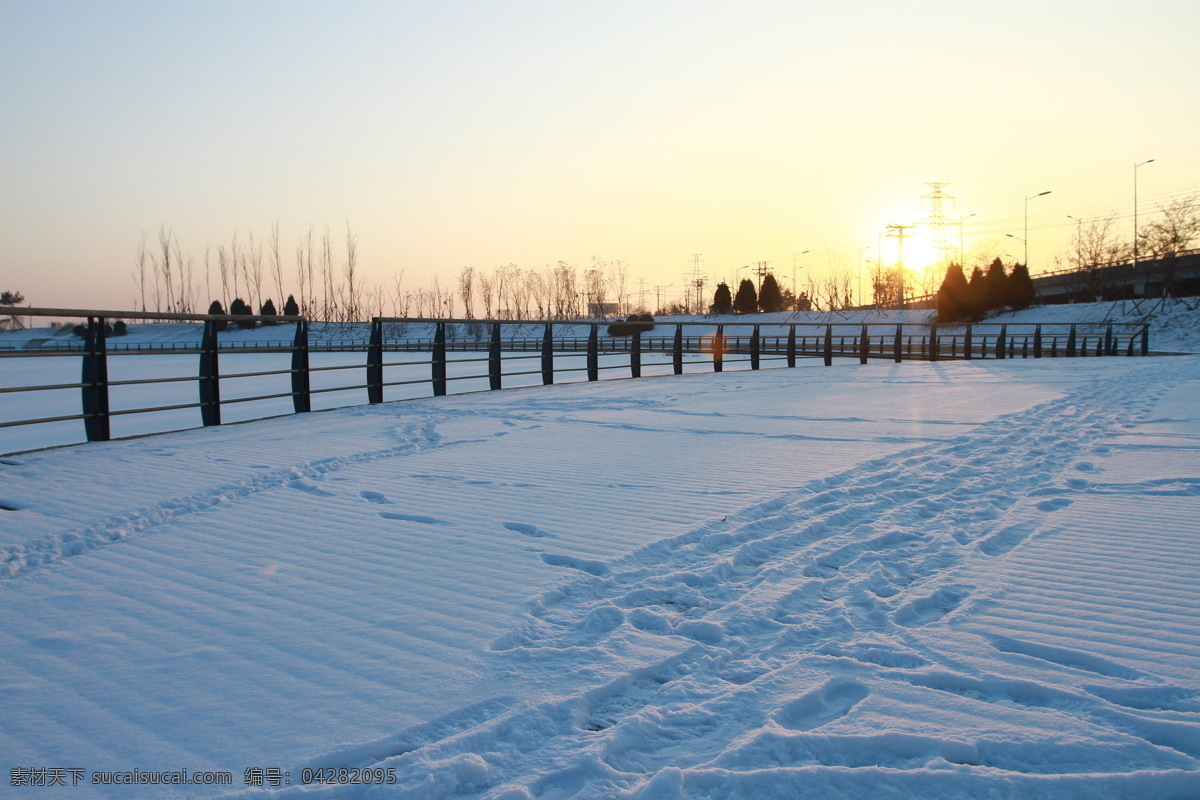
column 451, row 134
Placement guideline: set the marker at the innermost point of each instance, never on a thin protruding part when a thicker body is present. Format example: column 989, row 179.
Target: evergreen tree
column 770, row 299
column 952, row 294
column 216, row 308
column 268, row 310
column 239, row 308
column 746, row 300
column 996, row 281
column 975, row 306
column 290, row 309
column 1020, row 288
column 722, row 299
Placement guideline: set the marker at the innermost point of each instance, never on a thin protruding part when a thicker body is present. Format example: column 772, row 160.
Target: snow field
column 934, row 580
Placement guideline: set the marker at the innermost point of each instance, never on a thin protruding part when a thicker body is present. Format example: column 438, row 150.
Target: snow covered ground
column 890, row 581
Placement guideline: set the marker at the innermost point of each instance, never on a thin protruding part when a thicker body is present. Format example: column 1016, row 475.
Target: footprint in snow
column 1054, row 505
column 832, row 701
column 526, row 529
column 309, row 489
column 582, row 564
column 375, row 497
column 421, row 518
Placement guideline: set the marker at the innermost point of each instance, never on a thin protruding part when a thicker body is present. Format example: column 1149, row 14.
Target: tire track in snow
column 846, row 571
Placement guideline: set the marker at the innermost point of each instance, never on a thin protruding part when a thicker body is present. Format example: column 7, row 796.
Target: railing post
column 933, row 343
column 494, row 379
column 967, row 344
column 828, row 345
column 1071, row 343
column 898, row 343
column 548, row 355
column 210, row 377
column 593, row 354
column 864, row 346
column 95, row 382
column 438, row 361
column 718, row 346
column 677, row 350
column 375, row 363
column 1037, row 342
column 301, row 388
column 1145, row 340
column 635, row 354
column 1110, row 348
column 755, row 348
column 791, row 346
column 1002, row 342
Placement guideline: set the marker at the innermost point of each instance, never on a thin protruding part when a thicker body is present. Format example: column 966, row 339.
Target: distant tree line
column 963, row 300
column 767, row 299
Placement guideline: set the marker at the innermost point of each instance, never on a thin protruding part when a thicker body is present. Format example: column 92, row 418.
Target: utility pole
column 899, row 232
column 658, row 290
column 695, row 283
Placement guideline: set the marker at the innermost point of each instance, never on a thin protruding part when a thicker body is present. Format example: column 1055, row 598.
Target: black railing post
column 635, row 353
column 677, row 350
column 548, row 355
column 828, row 345
column 791, row 346
column 755, row 348
column 1002, row 342
column 1145, row 340
column 593, row 354
column 210, row 376
column 933, row 343
column 494, row 376
column 898, row 344
column 967, row 344
column 1110, row 347
column 1037, row 342
column 1071, row 343
column 95, row 382
column 375, row 363
column 864, row 346
column 718, row 347
column 301, row 387
column 438, row 361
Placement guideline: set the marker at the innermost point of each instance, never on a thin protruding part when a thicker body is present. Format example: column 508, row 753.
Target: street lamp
column 1078, row 241
column 795, row 292
column 1029, row 197
column 960, row 238
column 1135, row 211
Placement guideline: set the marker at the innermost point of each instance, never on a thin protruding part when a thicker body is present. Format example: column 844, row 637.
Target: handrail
column 719, row 342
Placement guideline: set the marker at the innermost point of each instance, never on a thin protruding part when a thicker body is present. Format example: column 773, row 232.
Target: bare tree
column 353, row 290
column 276, row 262
column 466, row 289
column 1170, row 236
column 1099, row 246
column 139, row 273
column 487, row 287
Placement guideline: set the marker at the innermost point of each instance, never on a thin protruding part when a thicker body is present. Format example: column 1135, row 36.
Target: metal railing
column 715, row 345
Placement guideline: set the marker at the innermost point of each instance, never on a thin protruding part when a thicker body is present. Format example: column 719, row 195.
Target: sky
column 468, row 133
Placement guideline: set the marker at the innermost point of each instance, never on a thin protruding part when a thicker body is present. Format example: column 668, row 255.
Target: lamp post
column 1135, row 212
column 1078, row 241
column 960, row 238
column 795, row 288
column 1029, row 197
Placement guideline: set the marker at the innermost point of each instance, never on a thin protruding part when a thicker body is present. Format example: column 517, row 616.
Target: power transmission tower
column 937, row 216
column 695, row 284
column 899, row 232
